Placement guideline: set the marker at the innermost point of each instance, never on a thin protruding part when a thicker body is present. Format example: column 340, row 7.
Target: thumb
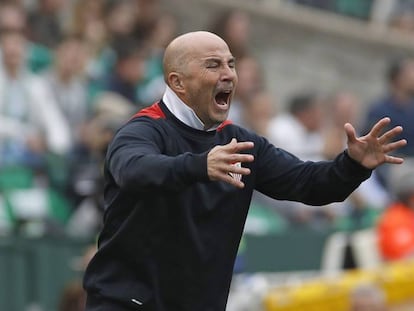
column 350, row 133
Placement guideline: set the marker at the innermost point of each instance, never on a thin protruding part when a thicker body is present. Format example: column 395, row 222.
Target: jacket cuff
column 354, row 169
column 196, row 167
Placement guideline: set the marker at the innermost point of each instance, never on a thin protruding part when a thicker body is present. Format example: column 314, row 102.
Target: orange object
column 396, row 232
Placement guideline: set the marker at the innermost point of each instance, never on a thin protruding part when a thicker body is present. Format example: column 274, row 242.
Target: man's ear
column 175, row 82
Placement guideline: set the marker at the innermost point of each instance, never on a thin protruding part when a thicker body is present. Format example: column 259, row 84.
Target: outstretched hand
column 221, row 162
column 373, row 149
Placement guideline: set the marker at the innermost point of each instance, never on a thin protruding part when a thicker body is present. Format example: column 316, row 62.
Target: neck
column 183, row 112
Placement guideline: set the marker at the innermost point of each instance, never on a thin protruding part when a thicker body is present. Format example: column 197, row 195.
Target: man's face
column 209, row 80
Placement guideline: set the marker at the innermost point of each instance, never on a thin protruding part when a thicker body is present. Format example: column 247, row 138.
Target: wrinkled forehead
column 213, row 47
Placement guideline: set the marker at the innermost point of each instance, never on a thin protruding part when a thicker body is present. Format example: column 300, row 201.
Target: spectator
column 402, row 16
column 110, row 111
column 14, row 17
column 45, row 23
column 250, row 82
column 363, row 206
column 342, row 107
column 120, row 18
column 147, row 12
column 300, row 130
column 153, row 85
column 234, row 27
column 31, row 121
column 396, row 225
column 398, row 103
column 264, row 213
column 66, row 80
column 88, row 22
column 257, row 113
column 129, row 70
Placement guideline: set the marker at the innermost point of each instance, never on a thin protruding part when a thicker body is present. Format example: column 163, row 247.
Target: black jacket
column 170, row 235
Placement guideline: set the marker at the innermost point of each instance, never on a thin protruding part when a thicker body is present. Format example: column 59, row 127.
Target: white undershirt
column 182, row 112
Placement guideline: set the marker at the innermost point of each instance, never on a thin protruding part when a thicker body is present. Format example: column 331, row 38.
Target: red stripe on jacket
column 154, row 112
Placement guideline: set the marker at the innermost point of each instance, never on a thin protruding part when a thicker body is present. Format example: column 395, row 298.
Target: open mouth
column 222, row 98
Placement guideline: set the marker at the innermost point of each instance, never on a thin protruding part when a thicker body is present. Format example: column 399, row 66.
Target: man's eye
column 212, row 65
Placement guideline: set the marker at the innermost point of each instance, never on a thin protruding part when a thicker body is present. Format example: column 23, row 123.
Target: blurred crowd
column 72, row 72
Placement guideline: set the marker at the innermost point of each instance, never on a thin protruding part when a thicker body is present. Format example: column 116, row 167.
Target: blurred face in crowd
column 71, row 57
column 164, row 31
column 258, row 112
column 51, row 6
column 132, row 69
column 238, row 28
column 13, row 46
column 121, row 19
column 147, row 10
column 12, row 17
column 250, row 80
column 405, row 81
column 204, row 75
column 344, row 109
column 312, row 117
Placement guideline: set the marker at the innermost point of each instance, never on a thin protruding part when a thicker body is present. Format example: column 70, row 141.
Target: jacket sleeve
column 283, row 176
column 136, row 161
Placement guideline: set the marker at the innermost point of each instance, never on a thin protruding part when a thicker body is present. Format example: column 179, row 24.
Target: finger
column 393, row 160
column 350, row 132
column 387, row 136
column 235, row 146
column 379, row 126
column 240, row 158
column 246, row 145
column 394, row 146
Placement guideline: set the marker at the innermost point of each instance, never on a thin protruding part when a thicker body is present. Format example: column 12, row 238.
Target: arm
column 327, row 181
column 136, row 161
column 283, row 176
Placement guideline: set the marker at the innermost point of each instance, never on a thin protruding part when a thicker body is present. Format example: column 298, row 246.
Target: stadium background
column 325, row 47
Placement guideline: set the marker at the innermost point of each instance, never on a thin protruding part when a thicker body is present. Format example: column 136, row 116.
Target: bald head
column 184, row 48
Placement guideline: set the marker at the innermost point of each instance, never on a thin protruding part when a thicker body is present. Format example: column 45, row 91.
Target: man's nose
column 228, row 73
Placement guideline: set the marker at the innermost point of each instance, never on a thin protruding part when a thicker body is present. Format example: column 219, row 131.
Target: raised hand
column 373, row 149
column 221, row 159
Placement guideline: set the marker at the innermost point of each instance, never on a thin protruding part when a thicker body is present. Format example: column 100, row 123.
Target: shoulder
column 153, row 112
column 148, row 122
